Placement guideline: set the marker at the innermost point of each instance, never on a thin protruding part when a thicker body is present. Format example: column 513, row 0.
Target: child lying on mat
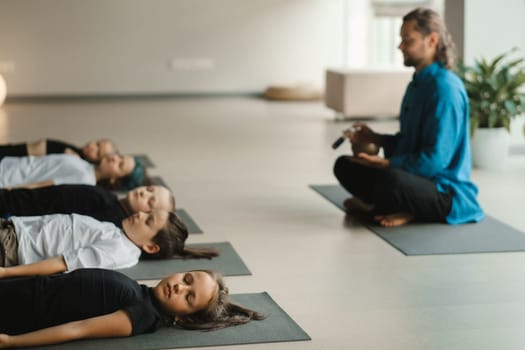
column 94, row 201
column 113, row 171
column 93, row 151
column 96, row 303
column 42, row 245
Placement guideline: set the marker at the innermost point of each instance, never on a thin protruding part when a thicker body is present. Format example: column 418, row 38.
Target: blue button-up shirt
column 434, row 141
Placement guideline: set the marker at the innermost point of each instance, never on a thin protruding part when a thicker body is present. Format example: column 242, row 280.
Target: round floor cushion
column 293, row 93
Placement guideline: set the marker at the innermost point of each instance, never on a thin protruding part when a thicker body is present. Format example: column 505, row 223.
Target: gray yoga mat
column 228, row 262
column 277, row 327
column 488, row 236
column 191, row 225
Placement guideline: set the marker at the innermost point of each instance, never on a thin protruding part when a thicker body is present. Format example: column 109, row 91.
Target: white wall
column 70, row 47
column 491, row 28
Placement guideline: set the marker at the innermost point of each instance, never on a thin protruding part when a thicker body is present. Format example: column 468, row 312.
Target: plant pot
column 490, row 148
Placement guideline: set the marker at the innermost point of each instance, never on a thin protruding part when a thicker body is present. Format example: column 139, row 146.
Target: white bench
column 366, row 93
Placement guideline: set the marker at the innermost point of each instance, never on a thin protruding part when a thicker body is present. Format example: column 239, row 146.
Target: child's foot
column 354, row 203
column 392, row 220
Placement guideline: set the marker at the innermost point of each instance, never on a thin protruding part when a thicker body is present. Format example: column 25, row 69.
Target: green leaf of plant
column 495, row 89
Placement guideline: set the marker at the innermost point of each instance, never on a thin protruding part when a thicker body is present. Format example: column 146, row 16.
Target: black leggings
column 13, row 150
column 393, row 190
column 20, row 149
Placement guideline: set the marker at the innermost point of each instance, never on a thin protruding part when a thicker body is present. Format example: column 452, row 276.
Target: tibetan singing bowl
column 368, row 148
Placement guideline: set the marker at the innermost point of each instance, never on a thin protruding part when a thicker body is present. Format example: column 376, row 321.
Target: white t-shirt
column 60, row 168
column 81, row 240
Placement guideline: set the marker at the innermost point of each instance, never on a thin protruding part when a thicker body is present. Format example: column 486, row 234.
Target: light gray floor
column 241, row 167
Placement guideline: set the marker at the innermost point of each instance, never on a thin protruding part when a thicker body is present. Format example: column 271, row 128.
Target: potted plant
column 496, row 96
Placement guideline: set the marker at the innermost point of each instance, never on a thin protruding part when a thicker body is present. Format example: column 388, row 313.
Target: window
column 373, row 30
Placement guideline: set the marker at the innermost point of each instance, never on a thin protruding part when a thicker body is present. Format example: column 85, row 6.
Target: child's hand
column 71, row 152
column 4, row 341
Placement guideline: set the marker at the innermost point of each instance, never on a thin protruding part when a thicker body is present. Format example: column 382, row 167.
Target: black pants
column 13, row 150
column 393, row 190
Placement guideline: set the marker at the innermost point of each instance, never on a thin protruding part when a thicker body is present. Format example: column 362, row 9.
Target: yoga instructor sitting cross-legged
column 425, row 175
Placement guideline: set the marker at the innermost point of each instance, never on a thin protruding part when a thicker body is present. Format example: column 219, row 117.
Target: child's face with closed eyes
column 147, row 198
column 186, row 293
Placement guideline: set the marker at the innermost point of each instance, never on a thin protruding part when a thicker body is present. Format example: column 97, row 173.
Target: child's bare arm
column 34, row 185
column 116, row 324
column 49, row 266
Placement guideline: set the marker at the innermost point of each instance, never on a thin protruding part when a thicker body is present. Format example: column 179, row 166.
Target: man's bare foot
column 354, row 203
column 396, row 219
